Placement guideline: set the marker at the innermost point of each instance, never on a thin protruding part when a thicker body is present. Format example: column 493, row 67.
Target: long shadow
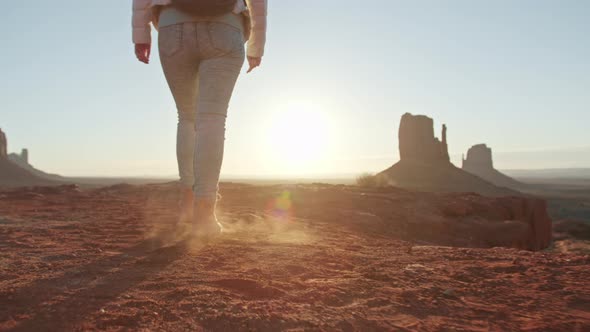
column 95, row 285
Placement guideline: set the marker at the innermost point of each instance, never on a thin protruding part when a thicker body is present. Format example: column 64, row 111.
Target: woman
column 202, row 53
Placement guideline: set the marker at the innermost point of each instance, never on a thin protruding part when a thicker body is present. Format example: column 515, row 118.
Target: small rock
column 449, row 293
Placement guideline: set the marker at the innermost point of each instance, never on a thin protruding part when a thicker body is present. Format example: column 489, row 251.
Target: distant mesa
column 480, row 162
column 425, row 164
column 16, row 171
column 3, row 145
column 22, row 158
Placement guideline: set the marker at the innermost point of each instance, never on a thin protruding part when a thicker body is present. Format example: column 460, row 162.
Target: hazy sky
column 513, row 74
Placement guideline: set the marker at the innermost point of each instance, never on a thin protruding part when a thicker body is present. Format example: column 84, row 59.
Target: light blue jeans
column 201, row 62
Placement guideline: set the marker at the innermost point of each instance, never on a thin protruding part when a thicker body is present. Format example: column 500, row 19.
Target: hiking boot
column 186, row 206
column 185, row 218
column 205, row 222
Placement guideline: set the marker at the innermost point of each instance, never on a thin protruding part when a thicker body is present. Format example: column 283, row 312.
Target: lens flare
column 282, row 207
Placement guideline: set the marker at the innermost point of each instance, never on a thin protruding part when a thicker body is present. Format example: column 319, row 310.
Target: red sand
column 74, row 260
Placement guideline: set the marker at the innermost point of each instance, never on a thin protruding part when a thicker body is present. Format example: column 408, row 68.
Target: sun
column 298, row 136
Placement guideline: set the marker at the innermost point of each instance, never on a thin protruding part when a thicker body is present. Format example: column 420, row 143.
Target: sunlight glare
column 298, row 135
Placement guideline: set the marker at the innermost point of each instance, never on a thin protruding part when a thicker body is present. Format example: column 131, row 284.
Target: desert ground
column 293, row 258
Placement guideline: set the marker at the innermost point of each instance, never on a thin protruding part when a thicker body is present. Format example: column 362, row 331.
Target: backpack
column 205, row 7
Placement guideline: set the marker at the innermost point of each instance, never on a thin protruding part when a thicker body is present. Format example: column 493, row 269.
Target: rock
column 3, row 145
column 457, row 219
column 417, row 141
column 479, row 157
column 15, row 170
column 479, row 162
column 425, row 165
column 449, row 293
column 342, row 276
column 22, row 159
column 572, row 229
column 517, row 222
column 506, row 219
column 11, row 175
column 57, row 190
column 456, row 209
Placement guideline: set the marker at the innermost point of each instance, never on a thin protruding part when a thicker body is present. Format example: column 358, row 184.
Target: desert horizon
column 562, row 168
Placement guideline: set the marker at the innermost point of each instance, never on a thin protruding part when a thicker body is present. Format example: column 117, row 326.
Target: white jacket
column 147, row 11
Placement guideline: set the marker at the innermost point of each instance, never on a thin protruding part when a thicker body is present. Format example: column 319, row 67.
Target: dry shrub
column 370, row 181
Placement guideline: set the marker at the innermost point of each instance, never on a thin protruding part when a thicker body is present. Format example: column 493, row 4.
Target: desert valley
column 423, row 245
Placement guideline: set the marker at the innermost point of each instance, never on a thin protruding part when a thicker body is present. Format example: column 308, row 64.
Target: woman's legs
column 222, row 56
column 217, row 78
column 180, row 63
column 201, row 62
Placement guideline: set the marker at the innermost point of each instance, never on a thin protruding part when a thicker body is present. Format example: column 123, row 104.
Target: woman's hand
column 142, row 52
column 253, row 62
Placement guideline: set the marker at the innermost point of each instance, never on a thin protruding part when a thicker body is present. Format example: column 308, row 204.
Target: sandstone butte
column 480, row 162
column 3, row 145
column 15, row 170
column 424, row 163
column 425, row 166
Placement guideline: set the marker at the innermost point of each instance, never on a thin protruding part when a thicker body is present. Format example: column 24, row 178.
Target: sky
column 336, row 79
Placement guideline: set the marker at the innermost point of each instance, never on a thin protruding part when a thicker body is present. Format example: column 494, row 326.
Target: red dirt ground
column 94, row 260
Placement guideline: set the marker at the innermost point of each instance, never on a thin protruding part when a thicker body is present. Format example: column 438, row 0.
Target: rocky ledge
column 309, row 257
